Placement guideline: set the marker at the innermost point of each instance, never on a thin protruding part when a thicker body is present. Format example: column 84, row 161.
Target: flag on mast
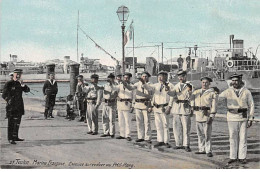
column 129, row 33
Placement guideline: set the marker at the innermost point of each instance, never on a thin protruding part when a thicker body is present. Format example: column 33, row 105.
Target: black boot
column 19, row 139
column 12, row 142
column 81, row 119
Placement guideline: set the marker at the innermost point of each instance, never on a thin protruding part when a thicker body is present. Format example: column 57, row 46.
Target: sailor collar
column 179, row 86
column 240, row 90
column 53, row 81
column 142, row 83
column 206, row 91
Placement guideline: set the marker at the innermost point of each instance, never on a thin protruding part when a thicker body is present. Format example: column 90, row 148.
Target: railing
column 246, row 65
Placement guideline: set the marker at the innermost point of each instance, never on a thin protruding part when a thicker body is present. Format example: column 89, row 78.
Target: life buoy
column 230, row 63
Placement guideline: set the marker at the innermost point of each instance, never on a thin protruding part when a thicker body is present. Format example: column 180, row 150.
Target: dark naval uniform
column 50, row 89
column 12, row 93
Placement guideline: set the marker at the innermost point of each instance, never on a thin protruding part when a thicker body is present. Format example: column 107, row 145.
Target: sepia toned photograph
column 129, row 84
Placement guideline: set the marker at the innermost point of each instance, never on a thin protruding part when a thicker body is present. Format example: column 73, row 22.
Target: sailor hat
column 111, row 75
column 207, row 78
column 94, row 76
column 128, row 74
column 147, row 73
column 181, row 72
column 163, row 73
column 236, row 76
column 80, row 76
column 18, row 71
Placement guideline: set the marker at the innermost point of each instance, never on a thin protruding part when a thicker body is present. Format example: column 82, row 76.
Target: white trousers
column 181, row 129
column 143, row 123
column 108, row 119
column 92, row 117
column 124, row 120
column 204, row 136
column 162, row 127
column 238, row 139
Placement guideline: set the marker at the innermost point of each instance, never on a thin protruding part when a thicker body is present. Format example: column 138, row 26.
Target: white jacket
column 245, row 100
column 206, row 99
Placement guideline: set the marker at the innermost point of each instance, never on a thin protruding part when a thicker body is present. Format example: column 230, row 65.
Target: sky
column 40, row 30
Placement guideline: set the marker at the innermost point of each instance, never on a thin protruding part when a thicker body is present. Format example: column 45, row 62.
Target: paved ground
column 58, row 143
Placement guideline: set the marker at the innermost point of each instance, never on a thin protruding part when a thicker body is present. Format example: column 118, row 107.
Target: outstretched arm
column 26, row 89
column 129, row 86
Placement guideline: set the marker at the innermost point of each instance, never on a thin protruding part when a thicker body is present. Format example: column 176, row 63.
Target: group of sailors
column 163, row 99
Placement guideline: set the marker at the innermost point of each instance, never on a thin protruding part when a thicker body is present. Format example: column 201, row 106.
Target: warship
column 226, row 63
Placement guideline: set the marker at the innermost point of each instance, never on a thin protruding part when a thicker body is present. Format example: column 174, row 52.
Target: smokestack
column 231, row 38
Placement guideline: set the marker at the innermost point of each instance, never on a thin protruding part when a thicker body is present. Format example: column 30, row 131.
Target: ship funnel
column 231, row 38
column 238, row 47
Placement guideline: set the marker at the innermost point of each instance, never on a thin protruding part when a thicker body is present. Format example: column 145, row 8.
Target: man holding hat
column 12, row 93
column 93, row 98
column 80, row 98
column 141, row 105
column 161, row 103
column 50, row 90
column 240, row 116
column 108, row 111
column 124, row 104
column 181, row 111
column 204, row 104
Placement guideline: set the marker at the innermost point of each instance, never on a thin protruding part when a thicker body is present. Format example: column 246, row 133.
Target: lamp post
column 123, row 14
column 195, row 48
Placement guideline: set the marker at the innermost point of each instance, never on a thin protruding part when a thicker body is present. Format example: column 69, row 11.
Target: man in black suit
column 12, row 93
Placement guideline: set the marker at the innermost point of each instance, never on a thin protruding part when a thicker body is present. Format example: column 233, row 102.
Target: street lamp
column 123, row 14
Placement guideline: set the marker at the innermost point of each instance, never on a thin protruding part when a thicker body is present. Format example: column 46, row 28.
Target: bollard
column 74, row 71
column 50, row 69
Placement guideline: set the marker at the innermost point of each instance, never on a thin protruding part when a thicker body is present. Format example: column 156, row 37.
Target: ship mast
column 78, row 38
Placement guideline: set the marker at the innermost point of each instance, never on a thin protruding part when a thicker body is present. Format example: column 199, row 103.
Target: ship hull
column 253, row 84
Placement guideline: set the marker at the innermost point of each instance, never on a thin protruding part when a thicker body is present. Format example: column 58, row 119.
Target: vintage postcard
column 129, row 84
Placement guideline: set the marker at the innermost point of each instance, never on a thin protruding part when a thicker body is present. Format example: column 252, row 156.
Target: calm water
column 36, row 91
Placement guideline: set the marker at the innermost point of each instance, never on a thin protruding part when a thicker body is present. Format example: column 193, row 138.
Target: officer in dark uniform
column 12, row 93
column 50, row 89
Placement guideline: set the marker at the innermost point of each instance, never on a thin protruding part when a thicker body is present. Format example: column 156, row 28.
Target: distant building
column 89, row 65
